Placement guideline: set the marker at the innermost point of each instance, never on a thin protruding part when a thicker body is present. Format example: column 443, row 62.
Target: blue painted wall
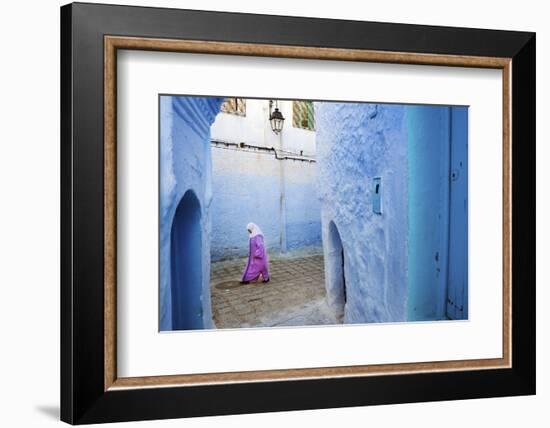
column 355, row 144
column 250, row 187
column 303, row 213
column 240, row 197
column 185, row 164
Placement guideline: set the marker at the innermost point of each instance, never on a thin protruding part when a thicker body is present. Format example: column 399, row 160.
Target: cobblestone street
column 294, row 296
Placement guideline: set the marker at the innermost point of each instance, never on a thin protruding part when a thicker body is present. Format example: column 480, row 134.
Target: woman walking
column 257, row 256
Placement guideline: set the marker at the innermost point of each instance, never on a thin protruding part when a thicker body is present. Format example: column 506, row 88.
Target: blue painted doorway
column 336, row 269
column 186, row 264
column 437, row 212
column 457, row 280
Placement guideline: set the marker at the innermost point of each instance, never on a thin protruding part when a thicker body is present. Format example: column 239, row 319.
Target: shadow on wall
column 186, row 264
column 335, row 271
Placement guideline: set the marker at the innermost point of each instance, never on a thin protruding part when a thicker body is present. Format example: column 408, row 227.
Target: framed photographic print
column 265, row 213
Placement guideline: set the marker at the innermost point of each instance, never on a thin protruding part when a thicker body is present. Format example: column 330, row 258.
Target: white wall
column 255, row 129
column 29, row 226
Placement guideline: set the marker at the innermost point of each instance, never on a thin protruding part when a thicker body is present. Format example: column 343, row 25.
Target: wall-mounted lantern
column 275, row 117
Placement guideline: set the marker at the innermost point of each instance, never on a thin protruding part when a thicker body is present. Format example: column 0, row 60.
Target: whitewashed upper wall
column 254, row 128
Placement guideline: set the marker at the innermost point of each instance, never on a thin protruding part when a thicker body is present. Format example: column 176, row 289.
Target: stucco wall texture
column 185, row 164
column 355, row 144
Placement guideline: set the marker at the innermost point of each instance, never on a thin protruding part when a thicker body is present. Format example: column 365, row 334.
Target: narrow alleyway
column 295, row 295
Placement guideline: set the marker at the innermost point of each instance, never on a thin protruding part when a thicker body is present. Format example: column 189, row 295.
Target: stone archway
column 186, row 264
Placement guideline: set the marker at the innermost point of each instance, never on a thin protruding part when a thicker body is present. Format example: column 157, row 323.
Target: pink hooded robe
column 257, row 256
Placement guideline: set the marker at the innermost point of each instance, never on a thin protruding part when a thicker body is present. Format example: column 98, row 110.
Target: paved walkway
column 294, row 296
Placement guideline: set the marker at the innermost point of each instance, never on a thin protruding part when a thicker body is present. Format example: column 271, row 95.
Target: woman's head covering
column 254, row 230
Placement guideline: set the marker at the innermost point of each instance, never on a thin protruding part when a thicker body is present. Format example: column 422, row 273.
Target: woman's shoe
column 265, row 280
column 244, row 282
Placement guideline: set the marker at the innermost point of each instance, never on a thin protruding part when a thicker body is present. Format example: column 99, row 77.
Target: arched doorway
column 186, row 264
column 336, row 289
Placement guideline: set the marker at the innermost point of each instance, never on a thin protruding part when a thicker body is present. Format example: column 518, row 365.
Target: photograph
column 278, row 212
